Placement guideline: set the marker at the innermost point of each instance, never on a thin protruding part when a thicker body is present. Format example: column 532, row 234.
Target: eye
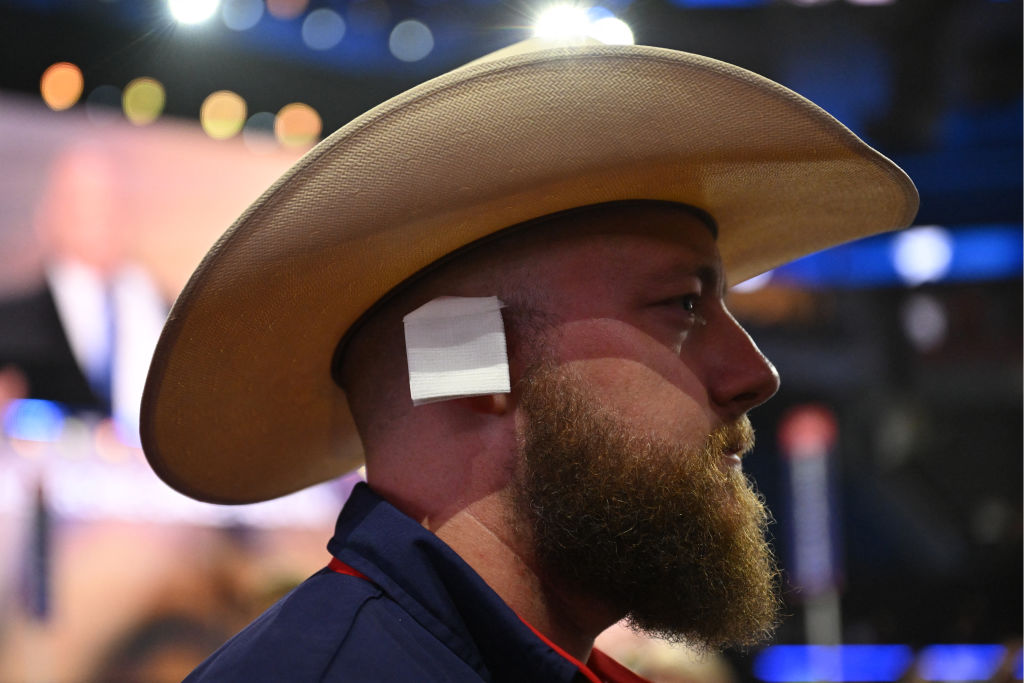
column 690, row 304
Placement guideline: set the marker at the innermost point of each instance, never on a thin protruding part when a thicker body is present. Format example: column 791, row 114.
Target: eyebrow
column 711, row 278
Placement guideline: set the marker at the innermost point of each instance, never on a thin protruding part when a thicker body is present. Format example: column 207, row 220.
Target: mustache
column 730, row 437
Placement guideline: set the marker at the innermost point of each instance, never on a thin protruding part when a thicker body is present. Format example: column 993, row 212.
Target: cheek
column 636, row 377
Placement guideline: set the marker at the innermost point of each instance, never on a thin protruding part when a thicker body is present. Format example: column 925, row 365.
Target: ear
column 487, row 404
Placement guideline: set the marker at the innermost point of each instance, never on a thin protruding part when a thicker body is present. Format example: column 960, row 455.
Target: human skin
column 632, row 299
column 642, row 322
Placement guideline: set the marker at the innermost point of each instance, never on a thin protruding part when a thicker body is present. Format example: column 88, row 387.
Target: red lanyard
column 584, row 669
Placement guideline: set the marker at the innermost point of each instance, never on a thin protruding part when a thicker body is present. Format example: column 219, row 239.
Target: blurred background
column 133, row 132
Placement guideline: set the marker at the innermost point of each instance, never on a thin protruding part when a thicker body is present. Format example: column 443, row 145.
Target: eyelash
column 691, row 304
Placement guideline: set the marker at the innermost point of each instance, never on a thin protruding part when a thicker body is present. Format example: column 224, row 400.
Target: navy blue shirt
column 419, row 613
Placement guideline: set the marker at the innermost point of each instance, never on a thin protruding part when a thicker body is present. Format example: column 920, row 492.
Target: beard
column 669, row 536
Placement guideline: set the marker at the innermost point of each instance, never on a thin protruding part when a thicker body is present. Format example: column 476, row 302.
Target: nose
column 739, row 377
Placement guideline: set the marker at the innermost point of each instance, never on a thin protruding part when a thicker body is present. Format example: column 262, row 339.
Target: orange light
column 29, row 450
column 297, row 124
column 286, row 9
column 107, row 444
column 61, row 85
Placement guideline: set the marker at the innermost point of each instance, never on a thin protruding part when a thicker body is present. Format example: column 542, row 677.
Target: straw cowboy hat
column 240, row 405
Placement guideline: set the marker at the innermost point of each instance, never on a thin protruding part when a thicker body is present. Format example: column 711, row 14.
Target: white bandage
column 456, row 348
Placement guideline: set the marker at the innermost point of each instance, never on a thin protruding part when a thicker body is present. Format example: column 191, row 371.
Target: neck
column 473, row 519
column 479, row 534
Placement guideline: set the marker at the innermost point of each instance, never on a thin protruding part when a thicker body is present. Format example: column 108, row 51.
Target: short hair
column 370, row 363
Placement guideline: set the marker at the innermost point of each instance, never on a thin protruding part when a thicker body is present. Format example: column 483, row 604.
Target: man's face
column 632, row 421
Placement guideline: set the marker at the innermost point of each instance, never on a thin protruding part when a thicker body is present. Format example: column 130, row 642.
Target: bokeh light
column 32, row 419
column 61, row 85
column 562, row 21
column 222, row 114
column 960, row 662
column 76, row 439
column 297, row 125
column 192, row 11
column 286, row 9
column 574, row 22
column 240, row 15
column 925, row 322
column 103, row 104
column 411, row 41
column 109, row 445
column 30, row 450
column 611, row 31
column 322, row 29
column 143, row 101
column 922, row 254
column 258, row 133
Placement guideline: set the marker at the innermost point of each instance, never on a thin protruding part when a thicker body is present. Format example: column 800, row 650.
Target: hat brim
column 240, row 405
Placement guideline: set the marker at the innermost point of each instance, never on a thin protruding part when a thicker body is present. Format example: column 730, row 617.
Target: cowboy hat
column 240, row 405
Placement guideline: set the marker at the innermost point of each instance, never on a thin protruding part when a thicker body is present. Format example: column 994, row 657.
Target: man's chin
column 736, row 614
column 666, row 536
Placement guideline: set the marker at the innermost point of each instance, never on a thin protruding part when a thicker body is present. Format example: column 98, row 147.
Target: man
column 66, row 335
column 510, row 281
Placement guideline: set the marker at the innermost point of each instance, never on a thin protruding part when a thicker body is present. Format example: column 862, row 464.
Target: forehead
column 621, row 241
column 645, row 219
column 567, row 265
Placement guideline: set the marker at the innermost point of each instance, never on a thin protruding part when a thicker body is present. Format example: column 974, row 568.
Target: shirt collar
column 441, row 592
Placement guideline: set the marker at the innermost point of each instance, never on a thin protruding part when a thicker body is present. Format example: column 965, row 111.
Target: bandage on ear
column 456, row 348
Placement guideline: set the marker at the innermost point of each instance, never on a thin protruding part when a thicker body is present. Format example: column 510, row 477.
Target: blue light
column 977, row 253
column 718, row 4
column 960, row 662
column 240, row 15
column 922, row 254
column 31, row 419
column 988, row 251
column 793, row 663
column 597, row 12
column 322, row 29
